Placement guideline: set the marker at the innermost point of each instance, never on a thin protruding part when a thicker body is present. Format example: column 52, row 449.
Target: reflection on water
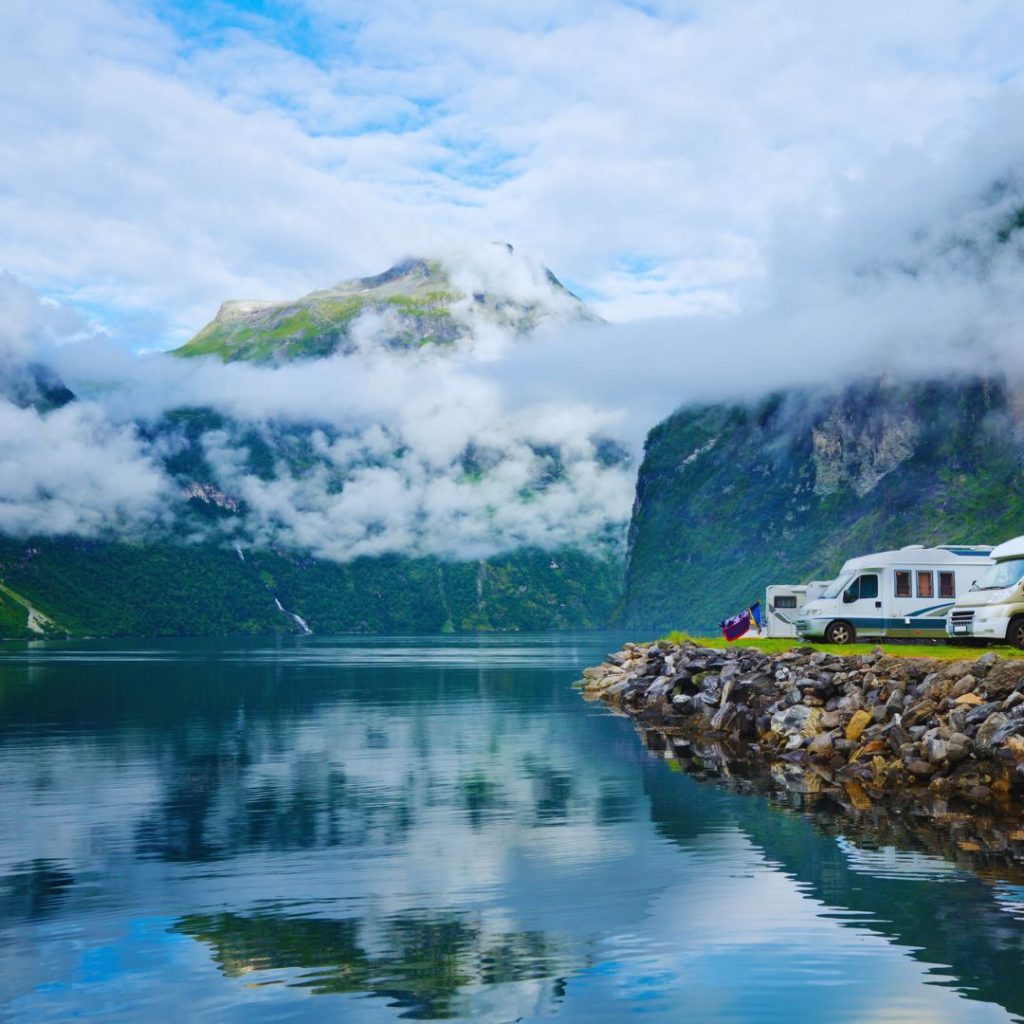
column 428, row 965
column 437, row 830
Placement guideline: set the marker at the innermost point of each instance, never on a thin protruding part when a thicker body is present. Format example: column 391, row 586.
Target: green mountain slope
column 94, row 588
column 731, row 498
column 416, row 302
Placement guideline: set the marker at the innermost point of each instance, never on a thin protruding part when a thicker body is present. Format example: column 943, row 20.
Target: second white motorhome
column 782, row 602
column 994, row 607
column 903, row 593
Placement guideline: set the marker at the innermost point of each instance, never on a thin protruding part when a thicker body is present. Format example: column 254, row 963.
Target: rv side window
column 925, row 584
column 947, row 584
column 785, row 601
column 903, row 583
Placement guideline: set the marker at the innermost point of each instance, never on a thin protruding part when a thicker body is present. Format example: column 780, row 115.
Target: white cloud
column 157, row 165
column 73, row 471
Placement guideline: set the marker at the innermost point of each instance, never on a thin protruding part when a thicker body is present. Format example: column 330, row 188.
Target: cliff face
column 732, row 498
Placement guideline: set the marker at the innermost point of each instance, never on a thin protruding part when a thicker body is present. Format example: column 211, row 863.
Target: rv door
column 862, row 605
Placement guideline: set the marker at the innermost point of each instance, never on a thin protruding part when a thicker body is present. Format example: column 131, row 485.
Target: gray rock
column 957, row 719
column 1016, row 698
column 958, row 748
column 985, row 662
column 659, row 687
column 794, row 719
column 1012, row 728
column 979, row 714
column 821, row 745
column 730, row 671
column 919, row 713
column 723, row 717
column 963, row 685
column 985, row 737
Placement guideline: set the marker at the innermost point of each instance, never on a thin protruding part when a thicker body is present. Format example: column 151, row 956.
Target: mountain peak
column 417, row 302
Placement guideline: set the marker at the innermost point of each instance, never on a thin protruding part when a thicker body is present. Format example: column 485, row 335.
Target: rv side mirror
column 849, row 597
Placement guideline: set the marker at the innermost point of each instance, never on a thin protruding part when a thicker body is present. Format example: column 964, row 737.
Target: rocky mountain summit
column 874, row 726
column 415, row 303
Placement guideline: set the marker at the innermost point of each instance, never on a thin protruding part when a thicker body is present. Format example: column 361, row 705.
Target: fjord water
column 374, row 830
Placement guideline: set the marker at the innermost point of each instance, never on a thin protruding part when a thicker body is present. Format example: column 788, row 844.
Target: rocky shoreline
column 873, row 736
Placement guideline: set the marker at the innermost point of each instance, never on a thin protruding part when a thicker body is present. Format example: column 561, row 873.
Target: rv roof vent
column 912, row 547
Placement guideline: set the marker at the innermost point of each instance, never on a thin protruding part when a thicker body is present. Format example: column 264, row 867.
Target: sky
column 158, row 158
column 754, row 194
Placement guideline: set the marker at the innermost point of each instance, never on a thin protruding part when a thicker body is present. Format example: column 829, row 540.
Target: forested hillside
column 93, row 588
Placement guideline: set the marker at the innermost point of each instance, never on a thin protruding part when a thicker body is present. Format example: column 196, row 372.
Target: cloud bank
column 160, row 157
column 374, row 452
column 508, row 441
column 762, row 194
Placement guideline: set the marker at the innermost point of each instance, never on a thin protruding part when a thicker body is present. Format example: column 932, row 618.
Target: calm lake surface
column 375, row 830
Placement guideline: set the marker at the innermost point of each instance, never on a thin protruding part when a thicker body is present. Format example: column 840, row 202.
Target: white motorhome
column 904, row 593
column 993, row 608
column 782, row 601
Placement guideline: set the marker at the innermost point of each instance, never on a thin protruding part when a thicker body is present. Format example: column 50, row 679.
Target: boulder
column 984, row 738
column 985, row 662
column 723, row 717
column 822, row 745
column 798, row 720
column 919, row 713
column 963, row 685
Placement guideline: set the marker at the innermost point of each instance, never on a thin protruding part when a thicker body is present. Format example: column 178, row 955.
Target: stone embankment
column 872, row 727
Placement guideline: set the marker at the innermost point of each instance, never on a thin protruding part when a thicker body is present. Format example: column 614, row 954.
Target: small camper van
column 904, row 593
column 993, row 608
column 782, row 601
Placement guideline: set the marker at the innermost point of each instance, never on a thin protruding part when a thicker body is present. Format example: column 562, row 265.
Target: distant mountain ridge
column 211, row 568
column 416, row 303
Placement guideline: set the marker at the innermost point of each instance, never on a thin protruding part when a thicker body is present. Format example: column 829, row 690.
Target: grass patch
column 777, row 645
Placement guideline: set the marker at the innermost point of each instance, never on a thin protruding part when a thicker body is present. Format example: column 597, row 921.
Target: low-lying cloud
column 507, row 441
column 415, row 452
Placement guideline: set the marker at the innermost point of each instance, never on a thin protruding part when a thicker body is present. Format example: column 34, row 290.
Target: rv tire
column 842, row 633
column 1015, row 632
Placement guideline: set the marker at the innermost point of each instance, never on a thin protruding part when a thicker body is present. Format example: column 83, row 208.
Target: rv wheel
column 842, row 633
column 1015, row 634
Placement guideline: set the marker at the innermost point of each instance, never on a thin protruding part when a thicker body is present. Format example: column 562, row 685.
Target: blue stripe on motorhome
column 901, row 623
column 932, row 608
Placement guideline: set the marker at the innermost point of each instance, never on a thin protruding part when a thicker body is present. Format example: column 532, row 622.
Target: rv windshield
column 837, row 586
column 1001, row 575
